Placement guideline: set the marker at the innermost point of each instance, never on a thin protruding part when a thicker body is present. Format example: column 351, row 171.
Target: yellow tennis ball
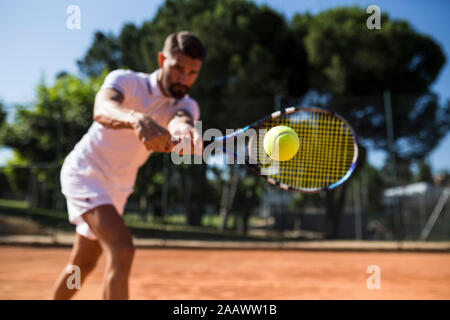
column 281, row 143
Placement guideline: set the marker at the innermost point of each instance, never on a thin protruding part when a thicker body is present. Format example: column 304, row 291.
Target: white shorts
column 84, row 193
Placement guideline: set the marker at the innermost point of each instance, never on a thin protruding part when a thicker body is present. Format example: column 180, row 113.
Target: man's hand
column 151, row 134
column 181, row 128
column 189, row 141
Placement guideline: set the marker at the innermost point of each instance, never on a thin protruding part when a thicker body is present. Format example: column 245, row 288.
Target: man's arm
column 108, row 111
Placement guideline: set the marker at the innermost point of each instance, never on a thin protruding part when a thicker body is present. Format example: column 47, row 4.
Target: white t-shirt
column 115, row 155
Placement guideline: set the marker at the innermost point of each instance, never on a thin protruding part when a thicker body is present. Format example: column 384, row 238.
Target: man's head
column 180, row 61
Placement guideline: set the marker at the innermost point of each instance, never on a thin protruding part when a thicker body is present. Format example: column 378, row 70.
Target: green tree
column 3, row 178
column 36, row 133
column 350, row 67
column 103, row 54
column 2, row 114
column 252, row 55
column 424, row 173
column 41, row 135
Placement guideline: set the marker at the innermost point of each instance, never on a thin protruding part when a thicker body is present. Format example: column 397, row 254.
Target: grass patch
column 16, row 204
column 171, row 227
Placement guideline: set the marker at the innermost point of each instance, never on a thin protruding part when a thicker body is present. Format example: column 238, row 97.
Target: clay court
column 29, row 273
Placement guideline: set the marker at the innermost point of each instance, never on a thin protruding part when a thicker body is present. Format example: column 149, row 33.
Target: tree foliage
column 350, row 70
column 66, row 107
column 2, row 114
column 424, row 173
column 351, row 67
column 252, row 55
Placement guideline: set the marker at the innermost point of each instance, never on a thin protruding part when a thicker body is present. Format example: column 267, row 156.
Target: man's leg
column 85, row 254
column 117, row 243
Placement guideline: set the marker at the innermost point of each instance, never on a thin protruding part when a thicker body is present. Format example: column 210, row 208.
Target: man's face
column 179, row 73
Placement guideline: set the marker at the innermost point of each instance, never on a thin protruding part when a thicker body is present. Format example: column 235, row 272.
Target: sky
column 36, row 43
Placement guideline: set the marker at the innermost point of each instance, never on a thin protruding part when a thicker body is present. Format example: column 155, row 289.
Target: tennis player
column 135, row 114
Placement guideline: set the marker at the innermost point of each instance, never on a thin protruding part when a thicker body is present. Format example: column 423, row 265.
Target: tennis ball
column 281, row 143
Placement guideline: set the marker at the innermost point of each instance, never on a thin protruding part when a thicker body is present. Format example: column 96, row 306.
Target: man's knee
column 122, row 258
column 88, row 266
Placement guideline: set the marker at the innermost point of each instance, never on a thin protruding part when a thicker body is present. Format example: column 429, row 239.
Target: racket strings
column 325, row 154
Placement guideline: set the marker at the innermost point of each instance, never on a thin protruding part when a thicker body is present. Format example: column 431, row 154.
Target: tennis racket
column 325, row 159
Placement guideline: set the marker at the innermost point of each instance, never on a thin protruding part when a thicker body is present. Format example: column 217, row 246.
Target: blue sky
column 36, row 42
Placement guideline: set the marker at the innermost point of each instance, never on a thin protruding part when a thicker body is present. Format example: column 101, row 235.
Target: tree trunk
column 334, row 204
column 165, row 187
column 223, row 207
column 243, row 217
column 143, row 206
column 228, row 193
column 203, row 190
column 143, row 196
column 186, row 183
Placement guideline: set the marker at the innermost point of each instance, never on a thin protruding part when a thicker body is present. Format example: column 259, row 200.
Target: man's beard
column 178, row 91
column 175, row 90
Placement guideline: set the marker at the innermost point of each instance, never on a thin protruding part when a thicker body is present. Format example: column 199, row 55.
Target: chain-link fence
column 174, row 201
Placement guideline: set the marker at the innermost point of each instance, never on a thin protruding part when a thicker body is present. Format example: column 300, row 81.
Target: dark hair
column 186, row 43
